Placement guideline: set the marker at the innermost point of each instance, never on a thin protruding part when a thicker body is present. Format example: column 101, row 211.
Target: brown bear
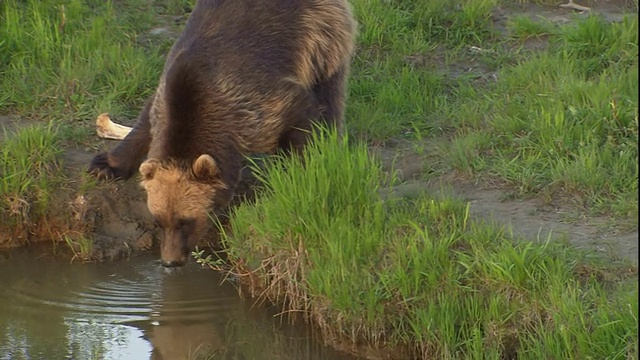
column 244, row 77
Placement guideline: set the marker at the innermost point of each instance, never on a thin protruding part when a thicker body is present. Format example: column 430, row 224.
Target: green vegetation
column 556, row 121
column 30, row 172
column 570, row 129
column 81, row 246
column 419, row 275
column 73, row 59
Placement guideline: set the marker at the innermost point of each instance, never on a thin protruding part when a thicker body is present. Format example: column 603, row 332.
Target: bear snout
column 173, row 263
column 174, row 251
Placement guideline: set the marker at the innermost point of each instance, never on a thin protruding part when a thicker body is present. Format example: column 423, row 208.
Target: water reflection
column 50, row 309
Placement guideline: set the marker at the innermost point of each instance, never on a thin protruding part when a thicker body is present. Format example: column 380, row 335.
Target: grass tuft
column 81, row 246
column 29, row 174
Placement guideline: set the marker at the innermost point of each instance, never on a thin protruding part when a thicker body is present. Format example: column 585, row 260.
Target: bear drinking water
column 244, row 77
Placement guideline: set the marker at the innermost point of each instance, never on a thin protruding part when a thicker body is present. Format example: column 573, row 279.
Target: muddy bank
column 115, row 213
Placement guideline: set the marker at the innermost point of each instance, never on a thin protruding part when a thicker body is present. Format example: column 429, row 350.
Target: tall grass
column 418, row 276
column 29, row 175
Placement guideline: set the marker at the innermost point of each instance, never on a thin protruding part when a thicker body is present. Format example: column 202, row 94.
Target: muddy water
column 133, row 309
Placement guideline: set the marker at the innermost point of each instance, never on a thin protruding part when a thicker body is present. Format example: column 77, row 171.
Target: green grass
column 29, row 174
column 36, row 193
column 570, row 129
column 420, row 275
column 560, row 122
column 74, row 59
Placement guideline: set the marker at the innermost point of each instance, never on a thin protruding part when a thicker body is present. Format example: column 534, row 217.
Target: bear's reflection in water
column 189, row 316
column 180, row 340
column 201, row 319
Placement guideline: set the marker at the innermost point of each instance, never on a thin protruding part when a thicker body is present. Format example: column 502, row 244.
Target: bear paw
column 102, row 168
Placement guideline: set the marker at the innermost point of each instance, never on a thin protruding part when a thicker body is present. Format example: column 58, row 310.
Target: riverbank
column 418, row 278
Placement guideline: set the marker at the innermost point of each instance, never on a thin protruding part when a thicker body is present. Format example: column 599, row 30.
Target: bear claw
column 101, row 169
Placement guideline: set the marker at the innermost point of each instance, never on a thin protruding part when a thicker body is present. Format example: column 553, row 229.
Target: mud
column 115, row 213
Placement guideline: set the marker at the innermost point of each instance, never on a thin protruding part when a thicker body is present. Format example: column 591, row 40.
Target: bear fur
column 244, row 77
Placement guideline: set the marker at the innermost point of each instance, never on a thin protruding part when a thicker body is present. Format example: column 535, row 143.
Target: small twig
column 63, row 21
column 572, row 5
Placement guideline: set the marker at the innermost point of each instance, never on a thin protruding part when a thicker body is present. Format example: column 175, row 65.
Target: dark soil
column 116, row 212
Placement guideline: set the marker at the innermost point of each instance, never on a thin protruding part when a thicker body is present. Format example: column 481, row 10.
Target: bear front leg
column 331, row 96
column 295, row 139
column 232, row 163
column 300, row 118
column 124, row 159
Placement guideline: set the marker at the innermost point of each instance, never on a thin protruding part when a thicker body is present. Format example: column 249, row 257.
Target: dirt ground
column 120, row 223
column 531, row 218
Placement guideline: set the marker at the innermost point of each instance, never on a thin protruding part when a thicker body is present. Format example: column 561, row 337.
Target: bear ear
column 148, row 169
column 204, row 167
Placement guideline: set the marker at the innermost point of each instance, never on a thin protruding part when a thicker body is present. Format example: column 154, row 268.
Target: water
column 133, row 309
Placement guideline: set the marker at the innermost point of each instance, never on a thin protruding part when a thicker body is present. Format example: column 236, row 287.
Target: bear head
column 180, row 198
